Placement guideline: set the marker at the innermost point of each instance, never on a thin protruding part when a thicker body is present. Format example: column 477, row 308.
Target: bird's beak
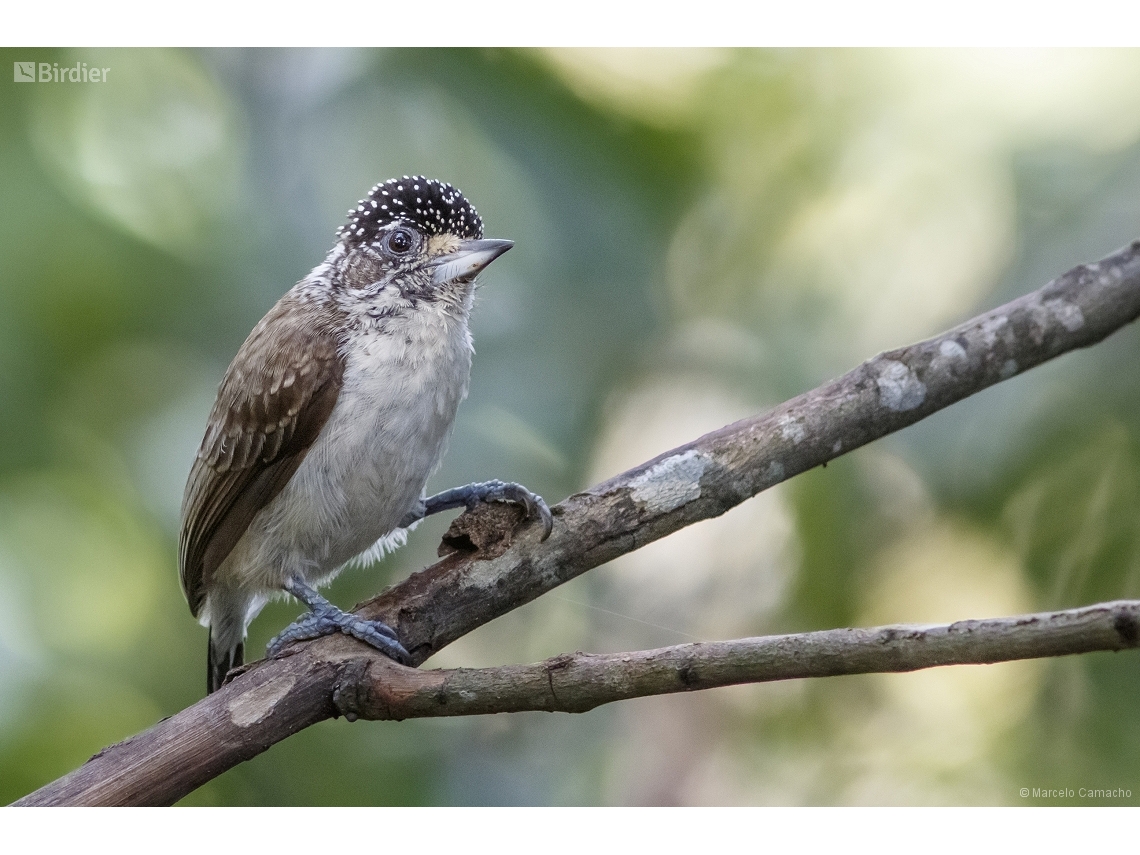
column 467, row 261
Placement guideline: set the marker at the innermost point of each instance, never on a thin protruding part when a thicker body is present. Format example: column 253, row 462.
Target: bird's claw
column 536, row 507
column 330, row 620
column 487, row 491
column 517, row 494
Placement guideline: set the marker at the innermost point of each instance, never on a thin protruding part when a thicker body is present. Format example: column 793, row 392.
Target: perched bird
column 331, row 418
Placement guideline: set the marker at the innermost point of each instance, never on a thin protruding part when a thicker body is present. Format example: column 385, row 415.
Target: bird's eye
column 400, row 241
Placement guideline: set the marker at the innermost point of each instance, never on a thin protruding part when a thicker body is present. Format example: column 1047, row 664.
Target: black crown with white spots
column 433, row 207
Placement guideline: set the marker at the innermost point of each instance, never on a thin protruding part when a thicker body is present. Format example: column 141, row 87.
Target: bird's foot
column 326, row 619
column 487, row 491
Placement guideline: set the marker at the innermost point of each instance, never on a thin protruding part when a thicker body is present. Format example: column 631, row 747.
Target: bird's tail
column 227, row 614
column 220, row 659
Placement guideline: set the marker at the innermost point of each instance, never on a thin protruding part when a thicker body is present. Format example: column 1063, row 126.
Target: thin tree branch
column 579, row 682
column 702, row 479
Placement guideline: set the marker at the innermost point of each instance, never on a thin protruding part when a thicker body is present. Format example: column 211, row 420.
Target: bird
column 331, row 418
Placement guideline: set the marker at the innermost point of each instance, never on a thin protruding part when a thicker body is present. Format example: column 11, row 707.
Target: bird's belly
column 365, row 471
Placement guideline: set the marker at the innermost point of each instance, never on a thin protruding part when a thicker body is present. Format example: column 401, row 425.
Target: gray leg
column 488, row 491
column 325, row 619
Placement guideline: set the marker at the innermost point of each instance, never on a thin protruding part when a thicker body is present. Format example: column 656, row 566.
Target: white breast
column 371, row 460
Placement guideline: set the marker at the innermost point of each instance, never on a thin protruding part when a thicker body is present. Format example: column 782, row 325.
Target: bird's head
column 415, row 238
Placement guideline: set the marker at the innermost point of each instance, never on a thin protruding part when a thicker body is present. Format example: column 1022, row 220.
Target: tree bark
column 578, row 682
column 496, row 568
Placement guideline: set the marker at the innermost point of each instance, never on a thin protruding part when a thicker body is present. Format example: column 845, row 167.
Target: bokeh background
column 700, row 235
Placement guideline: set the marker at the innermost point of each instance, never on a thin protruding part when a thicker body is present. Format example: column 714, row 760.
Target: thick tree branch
column 696, row 481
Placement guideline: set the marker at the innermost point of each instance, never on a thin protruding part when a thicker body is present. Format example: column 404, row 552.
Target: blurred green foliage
column 700, row 234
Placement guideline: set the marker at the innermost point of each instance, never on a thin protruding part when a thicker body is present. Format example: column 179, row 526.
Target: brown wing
column 276, row 396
